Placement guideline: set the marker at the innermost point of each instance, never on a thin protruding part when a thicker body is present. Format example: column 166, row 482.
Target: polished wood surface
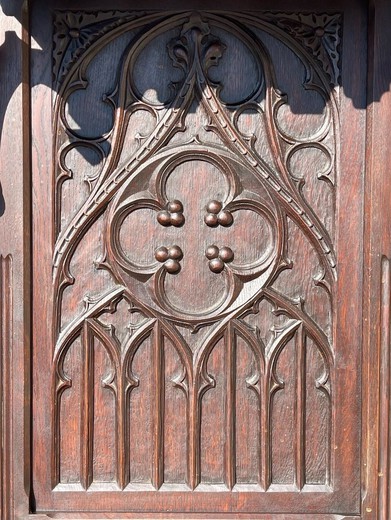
column 199, row 254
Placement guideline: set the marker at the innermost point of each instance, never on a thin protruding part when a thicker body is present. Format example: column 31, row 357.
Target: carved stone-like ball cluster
column 172, row 215
column 218, row 257
column 170, row 257
column 216, row 216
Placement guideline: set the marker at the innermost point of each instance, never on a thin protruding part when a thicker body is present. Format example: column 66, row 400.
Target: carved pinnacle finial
column 195, row 22
column 196, row 43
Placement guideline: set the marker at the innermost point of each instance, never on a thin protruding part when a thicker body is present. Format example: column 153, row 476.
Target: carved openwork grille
column 195, row 220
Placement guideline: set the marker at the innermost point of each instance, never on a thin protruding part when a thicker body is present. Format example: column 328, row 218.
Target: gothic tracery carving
column 257, row 195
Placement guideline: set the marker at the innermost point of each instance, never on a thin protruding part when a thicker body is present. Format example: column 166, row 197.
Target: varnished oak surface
column 202, row 255
column 235, row 368
column 193, row 516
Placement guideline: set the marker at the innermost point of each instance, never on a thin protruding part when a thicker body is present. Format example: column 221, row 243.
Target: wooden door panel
column 199, row 351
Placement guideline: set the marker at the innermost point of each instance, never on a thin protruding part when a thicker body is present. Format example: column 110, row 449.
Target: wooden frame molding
column 15, row 283
column 376, row 309
column 16, row 502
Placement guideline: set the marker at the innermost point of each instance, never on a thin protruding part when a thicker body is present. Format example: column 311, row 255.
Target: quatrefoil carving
column 220, row 257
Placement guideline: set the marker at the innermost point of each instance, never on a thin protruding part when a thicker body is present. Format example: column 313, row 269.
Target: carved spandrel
column 195, row 227
column 319, row 33
column 76, row 31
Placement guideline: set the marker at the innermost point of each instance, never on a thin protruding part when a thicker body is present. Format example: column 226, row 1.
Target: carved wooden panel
column 194, row 267
column 210, row 260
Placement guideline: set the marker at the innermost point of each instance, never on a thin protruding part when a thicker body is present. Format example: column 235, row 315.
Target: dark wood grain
column 376, row 383
column 6, row 322
column 167, row 229
column 15, row 292
column 194, row 516
column 206, row 260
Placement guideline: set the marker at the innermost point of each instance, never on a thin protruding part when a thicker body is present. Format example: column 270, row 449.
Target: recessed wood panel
column 193, row 340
